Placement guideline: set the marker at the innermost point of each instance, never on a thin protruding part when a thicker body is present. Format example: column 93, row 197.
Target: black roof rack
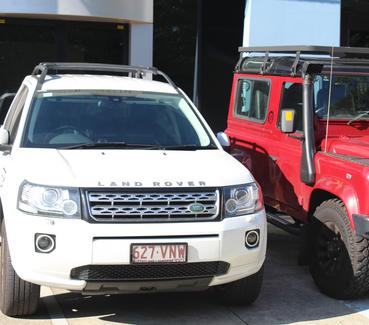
column 342, row 52
column 346, row 55
column 43, row 69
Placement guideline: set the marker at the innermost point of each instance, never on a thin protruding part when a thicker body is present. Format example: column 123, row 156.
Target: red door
column 286, row 149
column 272, row 156
column 247, row 129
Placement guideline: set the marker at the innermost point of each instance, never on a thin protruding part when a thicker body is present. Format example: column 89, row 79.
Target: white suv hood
column 130, row 168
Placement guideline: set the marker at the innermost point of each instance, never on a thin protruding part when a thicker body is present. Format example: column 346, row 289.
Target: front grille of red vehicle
column 142, row 272
column 153, row 205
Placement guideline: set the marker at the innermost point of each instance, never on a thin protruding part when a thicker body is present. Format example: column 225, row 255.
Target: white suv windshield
column 65, row 118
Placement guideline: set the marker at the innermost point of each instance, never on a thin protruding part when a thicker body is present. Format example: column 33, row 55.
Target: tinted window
column 64, row 118
column 292, row 99
column 27, row 42
column 13, row 118
column 5, row 102
column 252, row 99
column 349, row 96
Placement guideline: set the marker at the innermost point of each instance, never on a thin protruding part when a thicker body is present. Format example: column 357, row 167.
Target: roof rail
column 43, row 69
column 298, row 50
column 341, row 52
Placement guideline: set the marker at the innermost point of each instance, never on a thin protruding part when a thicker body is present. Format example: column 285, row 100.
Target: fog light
column 44, row 243
column 252, row 238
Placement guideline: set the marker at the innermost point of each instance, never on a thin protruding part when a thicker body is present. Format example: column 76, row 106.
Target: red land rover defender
column 299, row 120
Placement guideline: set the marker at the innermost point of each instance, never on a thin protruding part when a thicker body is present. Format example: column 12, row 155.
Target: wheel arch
column 317, row 197
column 334, row 189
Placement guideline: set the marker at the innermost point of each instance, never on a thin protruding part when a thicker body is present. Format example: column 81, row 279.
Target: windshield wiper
column 122, row 145
column 108, row 145
column 188, row 147
column 358, row 117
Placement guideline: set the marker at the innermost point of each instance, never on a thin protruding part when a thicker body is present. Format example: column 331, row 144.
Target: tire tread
column 358, row 249
column 18, row 297
column 244, row 291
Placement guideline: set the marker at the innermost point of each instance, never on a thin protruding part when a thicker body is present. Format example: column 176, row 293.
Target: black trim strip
column 157, row 237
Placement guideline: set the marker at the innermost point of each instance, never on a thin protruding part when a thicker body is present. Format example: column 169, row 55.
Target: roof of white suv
column 103, row 77
column 102, row 82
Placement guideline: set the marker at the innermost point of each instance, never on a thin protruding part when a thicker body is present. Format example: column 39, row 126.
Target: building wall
column 113, row 10
column 138, row 13
column 292, row 22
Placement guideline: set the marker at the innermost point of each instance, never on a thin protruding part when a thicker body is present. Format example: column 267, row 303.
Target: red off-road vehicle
column 299, row 120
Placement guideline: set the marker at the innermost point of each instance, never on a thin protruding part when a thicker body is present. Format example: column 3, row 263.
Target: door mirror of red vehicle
column 288, row 121
column 223, row 140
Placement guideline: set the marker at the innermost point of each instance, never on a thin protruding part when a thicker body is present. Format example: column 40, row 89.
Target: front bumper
column 79, row 243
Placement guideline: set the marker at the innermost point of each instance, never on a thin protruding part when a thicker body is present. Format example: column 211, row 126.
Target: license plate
column 159, row 253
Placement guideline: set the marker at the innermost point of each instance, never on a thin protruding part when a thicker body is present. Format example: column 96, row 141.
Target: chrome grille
column 152, row 206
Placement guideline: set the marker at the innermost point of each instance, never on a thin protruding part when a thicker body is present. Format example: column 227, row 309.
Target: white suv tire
column 242, row 292
column 17, row 297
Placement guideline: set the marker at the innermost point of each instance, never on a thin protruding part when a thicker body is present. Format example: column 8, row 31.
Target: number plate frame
column 133, row 261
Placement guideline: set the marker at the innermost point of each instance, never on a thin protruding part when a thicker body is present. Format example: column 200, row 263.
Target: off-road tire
column 242, row 292
column 339, row 259
column 17, row 297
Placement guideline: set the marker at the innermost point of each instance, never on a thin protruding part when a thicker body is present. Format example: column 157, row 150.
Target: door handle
column 298, row 137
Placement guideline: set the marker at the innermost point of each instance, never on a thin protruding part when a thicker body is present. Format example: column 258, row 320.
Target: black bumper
column 149, row 272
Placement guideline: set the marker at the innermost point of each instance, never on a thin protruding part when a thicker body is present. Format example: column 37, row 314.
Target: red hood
column 354, row 147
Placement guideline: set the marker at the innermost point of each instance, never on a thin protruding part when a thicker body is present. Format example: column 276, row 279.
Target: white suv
column 116, row 184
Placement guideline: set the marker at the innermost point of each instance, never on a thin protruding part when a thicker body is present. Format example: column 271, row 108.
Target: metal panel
column 140, row 11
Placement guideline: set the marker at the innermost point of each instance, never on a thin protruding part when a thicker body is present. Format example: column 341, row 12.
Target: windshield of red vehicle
column 61, row 118
column 349, row 97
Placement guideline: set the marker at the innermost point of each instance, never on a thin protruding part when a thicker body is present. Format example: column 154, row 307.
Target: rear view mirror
column 223, row 140
column 288, row 121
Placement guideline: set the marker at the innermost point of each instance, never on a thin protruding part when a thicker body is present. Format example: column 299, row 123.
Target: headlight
column 49, row 201
column 242, row 199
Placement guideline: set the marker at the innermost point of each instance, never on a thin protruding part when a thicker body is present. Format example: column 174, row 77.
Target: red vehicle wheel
column 340, row 262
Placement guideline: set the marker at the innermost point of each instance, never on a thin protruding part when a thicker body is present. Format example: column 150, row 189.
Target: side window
column 292, row 99
column 252, row 99
column 5, row 102
column 13, row 118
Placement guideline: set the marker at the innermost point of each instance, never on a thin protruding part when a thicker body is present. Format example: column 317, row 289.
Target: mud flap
column 361, row 224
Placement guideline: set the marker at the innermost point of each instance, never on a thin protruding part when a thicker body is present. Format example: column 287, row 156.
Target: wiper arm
column 108, row 145
column 188, row 147
column 119, row 145
column 358, row 117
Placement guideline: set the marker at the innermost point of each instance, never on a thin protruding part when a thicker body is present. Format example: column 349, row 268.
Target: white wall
column 292, row 22
column 112, row 10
